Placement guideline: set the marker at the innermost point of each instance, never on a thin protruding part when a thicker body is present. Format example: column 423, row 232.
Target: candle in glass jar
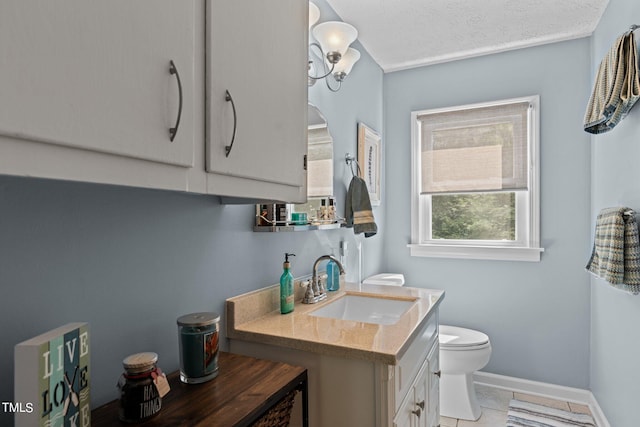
column 198, row 335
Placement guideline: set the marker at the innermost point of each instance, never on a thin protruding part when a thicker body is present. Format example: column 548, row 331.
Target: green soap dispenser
column 286, row 286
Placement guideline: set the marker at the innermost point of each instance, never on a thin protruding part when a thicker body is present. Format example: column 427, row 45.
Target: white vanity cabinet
column 88, row 92
column 433, row 386
column 256, row 135
column 421, row 405
column 413, row 391
column 412, row 411
column 345, row 392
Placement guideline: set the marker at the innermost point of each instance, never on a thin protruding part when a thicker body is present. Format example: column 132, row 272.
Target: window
column 475, row 181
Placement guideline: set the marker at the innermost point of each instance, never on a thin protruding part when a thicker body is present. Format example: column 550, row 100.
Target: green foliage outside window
column 480, row 216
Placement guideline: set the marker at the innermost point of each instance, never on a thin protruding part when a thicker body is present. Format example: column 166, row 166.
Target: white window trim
column 530, row 250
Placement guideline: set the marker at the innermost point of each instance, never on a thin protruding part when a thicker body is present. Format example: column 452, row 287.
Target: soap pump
column 333, row 275
column 286, row 286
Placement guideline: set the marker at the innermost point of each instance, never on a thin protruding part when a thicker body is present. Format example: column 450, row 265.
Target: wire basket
column 279, row 415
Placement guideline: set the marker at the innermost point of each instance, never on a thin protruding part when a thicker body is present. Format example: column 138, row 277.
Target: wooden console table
column 244, row 390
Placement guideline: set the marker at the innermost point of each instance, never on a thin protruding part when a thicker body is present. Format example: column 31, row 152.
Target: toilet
column 462, row 352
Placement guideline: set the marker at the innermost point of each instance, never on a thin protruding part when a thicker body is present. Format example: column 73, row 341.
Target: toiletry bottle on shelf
column 286, row 286
column 333, row 276
column 331, row 211
column 322, row 212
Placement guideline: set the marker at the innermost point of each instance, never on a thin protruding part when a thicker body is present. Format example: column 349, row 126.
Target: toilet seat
column 457, row 338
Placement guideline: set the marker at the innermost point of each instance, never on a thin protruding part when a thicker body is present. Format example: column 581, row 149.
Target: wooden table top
column 243, row 390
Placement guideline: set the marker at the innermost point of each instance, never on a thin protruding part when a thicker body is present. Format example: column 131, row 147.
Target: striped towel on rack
column 358, row 213
column 616, row 249
column 616, row 88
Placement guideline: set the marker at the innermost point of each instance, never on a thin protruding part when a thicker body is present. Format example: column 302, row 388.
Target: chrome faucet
column 316, row 290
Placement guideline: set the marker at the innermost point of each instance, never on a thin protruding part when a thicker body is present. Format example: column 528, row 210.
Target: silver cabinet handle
column 174, row 130
column 228, row 98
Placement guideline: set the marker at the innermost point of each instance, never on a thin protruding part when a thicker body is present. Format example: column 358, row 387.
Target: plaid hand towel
column 616, row 249
column 616, row 88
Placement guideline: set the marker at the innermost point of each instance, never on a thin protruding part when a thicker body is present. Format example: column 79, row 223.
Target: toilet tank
column 389, row 279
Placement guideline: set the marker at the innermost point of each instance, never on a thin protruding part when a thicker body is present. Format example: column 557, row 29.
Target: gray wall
column 615, row 181
column 130, row 261
column 359, row 100
column 536, row 314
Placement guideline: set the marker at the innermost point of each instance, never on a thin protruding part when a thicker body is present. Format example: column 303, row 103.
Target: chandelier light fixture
column 330, row 54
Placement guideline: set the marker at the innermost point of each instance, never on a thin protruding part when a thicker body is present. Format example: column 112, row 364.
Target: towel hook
column 350, row 160
column 633, row 27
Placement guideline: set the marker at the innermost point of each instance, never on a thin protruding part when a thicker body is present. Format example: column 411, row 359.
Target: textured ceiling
column 401, row 34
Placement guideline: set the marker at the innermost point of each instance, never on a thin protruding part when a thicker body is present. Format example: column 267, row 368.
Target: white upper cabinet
column 257, row 98
column 96, row 76
column 88, row 93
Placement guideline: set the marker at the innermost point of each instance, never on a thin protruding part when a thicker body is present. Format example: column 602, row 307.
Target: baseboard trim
column 553, row 391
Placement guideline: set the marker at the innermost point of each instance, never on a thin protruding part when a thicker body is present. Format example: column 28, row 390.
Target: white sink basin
column 367, row 309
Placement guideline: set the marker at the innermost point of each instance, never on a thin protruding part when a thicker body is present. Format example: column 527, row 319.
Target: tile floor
column 495, row 403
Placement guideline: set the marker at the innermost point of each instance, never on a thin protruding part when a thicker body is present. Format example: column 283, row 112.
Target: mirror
column 319, row 155
column 319, row 210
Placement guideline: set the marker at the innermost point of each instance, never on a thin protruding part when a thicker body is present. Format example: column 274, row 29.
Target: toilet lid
column 454, row 336
column 389, row 279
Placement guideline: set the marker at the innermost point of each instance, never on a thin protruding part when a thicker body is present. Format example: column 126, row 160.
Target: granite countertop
column 255, row 317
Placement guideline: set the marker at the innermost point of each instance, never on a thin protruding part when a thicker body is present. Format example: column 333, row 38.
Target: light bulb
column 334, row 38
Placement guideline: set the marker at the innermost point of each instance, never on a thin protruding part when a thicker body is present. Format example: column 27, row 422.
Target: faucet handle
column 321, row 287
column 309, row 295
column 316, row 284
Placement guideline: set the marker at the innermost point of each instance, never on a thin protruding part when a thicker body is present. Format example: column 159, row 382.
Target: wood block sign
column 52, row 378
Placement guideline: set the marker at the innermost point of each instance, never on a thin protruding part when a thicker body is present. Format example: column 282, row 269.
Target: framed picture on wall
column 369, row 159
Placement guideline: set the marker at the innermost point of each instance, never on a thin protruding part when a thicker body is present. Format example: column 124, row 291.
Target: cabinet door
column 257, row 85
column 433, row 386
column 414, row 410
column 406, row 416
column 95, row 75
column 421, row 410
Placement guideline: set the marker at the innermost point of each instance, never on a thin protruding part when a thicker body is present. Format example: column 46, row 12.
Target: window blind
column 476, row 149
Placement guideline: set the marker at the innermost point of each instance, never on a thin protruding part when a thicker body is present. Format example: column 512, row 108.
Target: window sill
column 498, row 253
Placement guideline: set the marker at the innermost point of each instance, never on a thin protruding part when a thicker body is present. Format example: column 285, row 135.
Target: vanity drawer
column 407, row 368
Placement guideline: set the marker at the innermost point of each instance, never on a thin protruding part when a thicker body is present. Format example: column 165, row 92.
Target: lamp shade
column 335, row 36
column 314, row 14
column 347, row 61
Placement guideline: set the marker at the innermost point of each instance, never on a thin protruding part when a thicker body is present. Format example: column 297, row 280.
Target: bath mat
column 525, row 414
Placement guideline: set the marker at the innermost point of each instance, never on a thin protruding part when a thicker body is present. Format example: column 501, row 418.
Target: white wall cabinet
column 86, row 94
column 346, row 392
column 95, row 76
column 257, row 85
